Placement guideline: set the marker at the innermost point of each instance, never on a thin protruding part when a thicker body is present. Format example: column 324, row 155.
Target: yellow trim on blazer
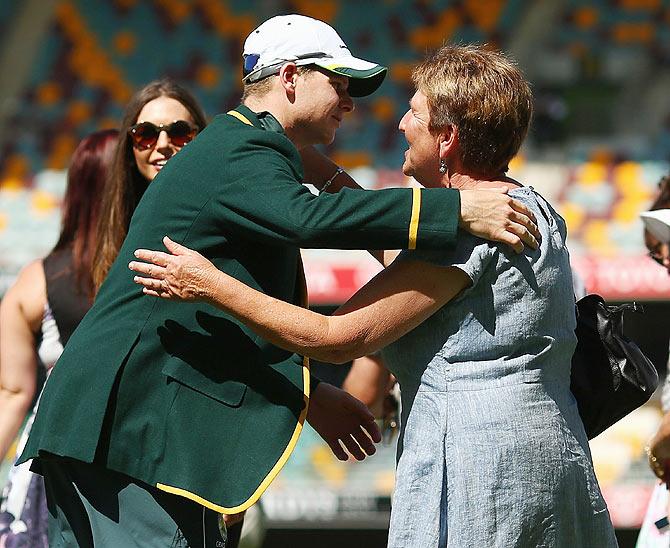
column 414, row 221
column 271, row 475
column 241, row 117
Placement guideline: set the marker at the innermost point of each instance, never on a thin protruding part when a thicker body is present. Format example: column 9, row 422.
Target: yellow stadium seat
column 401, row 72
column 351, row 159
column 208, row 76
column 383, row 109
column 596, row 238
column 61, row 151
column 79, row 112
column 639, row 32
column 326, row 10
column 43, row 202
column 574, row 216
column 16, row 167
column 586, row 17
column 125, row 42
column 328, row 466
column 591, row 174
column 627, row 210
column 48, row 94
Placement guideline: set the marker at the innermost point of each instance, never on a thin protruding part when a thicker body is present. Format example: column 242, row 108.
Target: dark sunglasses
column 145, row 135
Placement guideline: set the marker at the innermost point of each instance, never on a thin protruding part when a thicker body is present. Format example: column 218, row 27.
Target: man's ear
column 448, row 141
column 288, row 74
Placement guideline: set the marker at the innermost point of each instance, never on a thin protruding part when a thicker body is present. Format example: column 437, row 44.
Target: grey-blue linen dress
column 492, row 452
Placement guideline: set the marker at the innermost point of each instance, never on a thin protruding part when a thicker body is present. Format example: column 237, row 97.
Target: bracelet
column 329, row 181
column 656, row 466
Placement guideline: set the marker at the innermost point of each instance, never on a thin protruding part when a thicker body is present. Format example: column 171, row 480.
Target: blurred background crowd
column 599, row 144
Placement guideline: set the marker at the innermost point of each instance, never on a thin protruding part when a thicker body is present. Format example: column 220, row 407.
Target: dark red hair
column 86, row 180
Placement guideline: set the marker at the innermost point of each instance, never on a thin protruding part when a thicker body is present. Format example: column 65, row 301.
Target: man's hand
column 493, row 215
column 340, row 419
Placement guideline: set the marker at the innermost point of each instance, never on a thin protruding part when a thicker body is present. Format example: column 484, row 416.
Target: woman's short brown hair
column 484, row 95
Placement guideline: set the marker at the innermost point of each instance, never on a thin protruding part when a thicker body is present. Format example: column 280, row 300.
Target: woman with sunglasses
column 37, row 315
column 159, row 120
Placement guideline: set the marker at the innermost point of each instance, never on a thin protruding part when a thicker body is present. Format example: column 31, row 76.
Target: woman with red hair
column 37, row 316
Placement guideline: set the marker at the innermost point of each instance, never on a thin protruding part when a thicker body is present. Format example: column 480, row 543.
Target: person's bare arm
column 395, row 301
column 369, row 381
column 21, row 312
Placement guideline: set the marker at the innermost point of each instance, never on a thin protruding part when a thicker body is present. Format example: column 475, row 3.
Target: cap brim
column 657, row 222
column 364, row 77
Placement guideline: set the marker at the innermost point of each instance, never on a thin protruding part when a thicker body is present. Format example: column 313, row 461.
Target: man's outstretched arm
column 489, row 214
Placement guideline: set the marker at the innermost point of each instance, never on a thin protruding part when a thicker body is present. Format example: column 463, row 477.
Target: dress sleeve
column 263, row 199
column 470, row 254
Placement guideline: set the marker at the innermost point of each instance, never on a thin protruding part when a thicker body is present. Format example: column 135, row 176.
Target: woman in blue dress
column 492, row 451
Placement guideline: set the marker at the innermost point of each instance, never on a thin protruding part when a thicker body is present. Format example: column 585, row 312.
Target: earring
column 443, row 166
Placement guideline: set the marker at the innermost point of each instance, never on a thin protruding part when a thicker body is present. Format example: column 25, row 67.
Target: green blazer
column 181, row 395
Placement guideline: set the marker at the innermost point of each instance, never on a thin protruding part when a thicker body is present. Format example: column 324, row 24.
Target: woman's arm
column 394, row 302
column 21, row 313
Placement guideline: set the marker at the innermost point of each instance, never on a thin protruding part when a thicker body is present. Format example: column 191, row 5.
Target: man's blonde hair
column 484, row 95
column 263, row 87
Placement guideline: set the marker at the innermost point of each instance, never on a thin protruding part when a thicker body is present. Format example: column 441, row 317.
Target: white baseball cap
column 657, row 222
column 306, row 41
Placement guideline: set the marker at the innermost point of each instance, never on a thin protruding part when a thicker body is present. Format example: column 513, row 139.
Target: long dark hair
column 126, row 184
column 86, row 178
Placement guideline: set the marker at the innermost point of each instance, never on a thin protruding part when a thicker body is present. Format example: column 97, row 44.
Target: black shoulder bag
column 610, row 375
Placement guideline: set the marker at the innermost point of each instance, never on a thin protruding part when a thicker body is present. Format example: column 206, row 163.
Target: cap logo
column 250, row 60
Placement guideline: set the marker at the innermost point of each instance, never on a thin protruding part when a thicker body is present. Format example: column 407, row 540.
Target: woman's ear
column 448, row 141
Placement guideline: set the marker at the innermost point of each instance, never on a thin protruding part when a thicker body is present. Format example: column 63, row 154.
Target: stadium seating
column 97, row 53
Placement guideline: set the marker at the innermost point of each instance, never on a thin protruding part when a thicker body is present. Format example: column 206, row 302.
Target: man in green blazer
column 160, row 415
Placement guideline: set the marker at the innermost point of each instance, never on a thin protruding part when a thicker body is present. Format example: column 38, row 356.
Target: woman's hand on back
column 182, row 274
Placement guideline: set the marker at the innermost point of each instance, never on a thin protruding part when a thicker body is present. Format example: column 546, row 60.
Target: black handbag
column 610, row 375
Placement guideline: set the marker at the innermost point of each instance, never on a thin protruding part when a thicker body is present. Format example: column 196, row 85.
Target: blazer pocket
column 228, row 392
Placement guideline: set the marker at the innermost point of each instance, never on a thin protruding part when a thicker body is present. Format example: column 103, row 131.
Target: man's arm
column 489, row 214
